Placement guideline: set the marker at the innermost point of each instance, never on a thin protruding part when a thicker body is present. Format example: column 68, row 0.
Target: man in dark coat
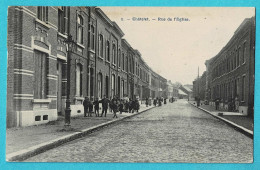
column 86, row 106
column 105, row 103
column 96, row 107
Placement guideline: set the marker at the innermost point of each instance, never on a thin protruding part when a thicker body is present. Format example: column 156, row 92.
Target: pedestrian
column 160, row 102
column 121, row 106
column 136, row 105
column 96, row 107
column 86, row 106
column 105, row 103
column 237, row 104
column 130, row 105
column 198, row 101
column 114, row 107
column 90, row 108
column 126, row 106
column 165, row 101
column 217, row 103
column 146, row 101
column 154, row 101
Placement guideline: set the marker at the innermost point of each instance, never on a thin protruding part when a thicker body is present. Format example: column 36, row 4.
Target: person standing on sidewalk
column 136, row 105
column 86, row 106
column 130, row 105
column 96, row 107
column 105, row 103
column 146, row 102
column 90, row 108
column 121, row 106
column 154, row 102
column 237, row 104
column 217, row 103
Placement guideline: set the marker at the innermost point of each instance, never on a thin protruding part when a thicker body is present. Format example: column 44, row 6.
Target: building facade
column 230, row 74
column 102, row 63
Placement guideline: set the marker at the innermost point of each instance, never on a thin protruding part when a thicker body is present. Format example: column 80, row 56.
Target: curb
column 34, row 150
column 239, row 128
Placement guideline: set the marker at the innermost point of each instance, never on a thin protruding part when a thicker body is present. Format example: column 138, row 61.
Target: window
column 238, row 57
column 79, row 80
column 101, row 45
column 92, row 37
column 80, row 29
column 123, row 61
column 113, row 85
column 99, row 83
column 40, row 75
column 42, row 13
column 119, row 58
column 62, row 19
column 114, row 54
column 244, row 53
column 108, row 51
column 243, row 88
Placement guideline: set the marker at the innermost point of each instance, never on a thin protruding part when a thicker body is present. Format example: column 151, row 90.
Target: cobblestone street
column 176, row 132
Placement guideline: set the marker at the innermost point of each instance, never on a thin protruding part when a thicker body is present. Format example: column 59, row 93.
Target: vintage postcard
column 130, row 84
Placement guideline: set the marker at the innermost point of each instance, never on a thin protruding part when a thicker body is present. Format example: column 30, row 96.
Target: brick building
column 230, row 74
column 102, row 63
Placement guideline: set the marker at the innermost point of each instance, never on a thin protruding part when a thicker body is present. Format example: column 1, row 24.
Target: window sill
column 39, row 101
column 91, row 50
column 62, row 35
column 80, row 45
column 42, row 23
column 100, row 57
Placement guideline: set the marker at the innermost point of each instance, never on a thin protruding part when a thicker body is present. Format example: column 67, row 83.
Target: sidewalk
column 21, row 138
column 236, row 119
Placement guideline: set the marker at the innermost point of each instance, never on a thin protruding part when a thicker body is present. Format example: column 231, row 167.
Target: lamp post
column 70, row 45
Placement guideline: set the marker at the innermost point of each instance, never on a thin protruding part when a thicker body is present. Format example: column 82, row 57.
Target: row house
column 230, row 74
column 101, row 63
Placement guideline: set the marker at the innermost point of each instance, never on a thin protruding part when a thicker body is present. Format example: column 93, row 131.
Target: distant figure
column 146, row 102
column 86, row 106
column 154, row 101
column 105, row 103
column 237, row 104
column 165, row 101
column 121, row 106
column 90, row 108
column 130, row 105
column 136, row 105
column 198, row 101
column 114, row 107
column 217, row 103
column 96, row 107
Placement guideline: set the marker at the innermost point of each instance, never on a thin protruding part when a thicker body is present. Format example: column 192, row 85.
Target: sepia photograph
column 129, row 84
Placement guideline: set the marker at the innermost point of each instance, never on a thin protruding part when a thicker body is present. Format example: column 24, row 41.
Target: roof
column 182, row 92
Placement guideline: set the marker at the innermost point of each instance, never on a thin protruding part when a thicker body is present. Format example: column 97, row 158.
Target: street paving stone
column 176, row 132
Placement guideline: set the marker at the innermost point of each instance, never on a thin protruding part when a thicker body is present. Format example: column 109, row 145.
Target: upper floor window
column 101, row 42
column 123, row 61
column 108, row 50
column 79, row 29
column 42, row 13
column 62, row 20
column 114, row 54
column 119, row 58
column 244, row 53
column 92, row 37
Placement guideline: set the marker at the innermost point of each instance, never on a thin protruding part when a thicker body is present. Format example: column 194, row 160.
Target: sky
column 173, row 48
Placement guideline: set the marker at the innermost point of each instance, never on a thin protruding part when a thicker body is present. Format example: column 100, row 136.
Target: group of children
column 115, row 105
